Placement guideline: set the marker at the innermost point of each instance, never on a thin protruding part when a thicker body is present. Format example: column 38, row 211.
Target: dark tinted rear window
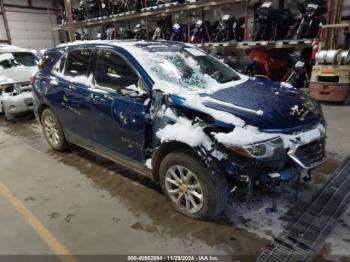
column 77, row 62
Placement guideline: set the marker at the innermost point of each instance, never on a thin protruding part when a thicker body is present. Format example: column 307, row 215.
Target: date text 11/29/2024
column 174, row 258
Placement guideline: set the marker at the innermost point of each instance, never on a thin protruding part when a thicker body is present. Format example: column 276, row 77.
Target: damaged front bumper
column 282, row 168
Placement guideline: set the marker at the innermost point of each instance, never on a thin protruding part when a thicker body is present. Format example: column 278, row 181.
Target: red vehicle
column 274, row 63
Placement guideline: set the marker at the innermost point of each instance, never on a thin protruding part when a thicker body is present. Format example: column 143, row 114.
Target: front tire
column 8, row 117
column 192, row 188
column 53, row 131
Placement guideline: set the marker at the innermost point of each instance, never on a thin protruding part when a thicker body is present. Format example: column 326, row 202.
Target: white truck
column 17, row 66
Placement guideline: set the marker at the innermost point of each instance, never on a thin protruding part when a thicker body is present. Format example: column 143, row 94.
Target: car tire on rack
column 192, row 188
column 53, row 131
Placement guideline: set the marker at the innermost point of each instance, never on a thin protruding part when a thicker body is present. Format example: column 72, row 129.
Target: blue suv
column 173, row 112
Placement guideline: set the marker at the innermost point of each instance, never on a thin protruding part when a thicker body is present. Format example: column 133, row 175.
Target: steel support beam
column 69, row 15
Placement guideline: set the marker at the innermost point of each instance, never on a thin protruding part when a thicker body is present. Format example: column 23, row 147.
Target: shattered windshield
column 191, row 67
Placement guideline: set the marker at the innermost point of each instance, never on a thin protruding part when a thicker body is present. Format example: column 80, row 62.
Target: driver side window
column 112, row 71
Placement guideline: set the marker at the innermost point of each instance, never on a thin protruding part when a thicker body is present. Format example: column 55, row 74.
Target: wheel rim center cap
column 183, row 188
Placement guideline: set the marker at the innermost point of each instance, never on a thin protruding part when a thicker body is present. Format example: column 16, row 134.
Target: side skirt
column 118, row 158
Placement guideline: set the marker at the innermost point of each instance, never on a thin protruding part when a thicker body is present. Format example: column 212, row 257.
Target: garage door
column 31, row 28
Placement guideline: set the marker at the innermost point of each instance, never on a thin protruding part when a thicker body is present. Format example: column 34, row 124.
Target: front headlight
column 265, row 149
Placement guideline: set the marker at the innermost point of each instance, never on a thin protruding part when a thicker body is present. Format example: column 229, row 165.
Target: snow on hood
column 17, row 74
column 286, row 85
column 258, row 104
column 250, row 135
column 4, row 80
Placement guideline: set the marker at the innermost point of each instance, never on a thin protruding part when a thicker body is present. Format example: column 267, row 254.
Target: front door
column 119, row 106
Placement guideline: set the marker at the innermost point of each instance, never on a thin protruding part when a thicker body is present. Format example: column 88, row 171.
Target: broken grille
column 311, row 153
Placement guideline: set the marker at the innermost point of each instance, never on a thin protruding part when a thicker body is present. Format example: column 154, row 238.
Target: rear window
column 77, row 62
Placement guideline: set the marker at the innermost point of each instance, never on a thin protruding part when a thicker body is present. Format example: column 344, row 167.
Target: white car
column 17, row 66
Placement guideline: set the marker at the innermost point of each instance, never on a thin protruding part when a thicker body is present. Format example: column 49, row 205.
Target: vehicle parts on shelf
column 312, row 12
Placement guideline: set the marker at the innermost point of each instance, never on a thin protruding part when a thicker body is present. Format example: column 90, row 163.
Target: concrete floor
column 92, row 206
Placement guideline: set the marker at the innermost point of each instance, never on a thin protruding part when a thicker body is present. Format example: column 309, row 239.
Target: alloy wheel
column 184, row 189
column 51, row 130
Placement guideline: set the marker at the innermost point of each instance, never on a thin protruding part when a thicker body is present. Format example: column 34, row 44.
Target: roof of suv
column 160, row 45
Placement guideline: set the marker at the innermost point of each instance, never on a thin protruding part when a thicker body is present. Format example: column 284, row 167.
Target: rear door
column 77, row 81
column 70, row 95
column 119, row 110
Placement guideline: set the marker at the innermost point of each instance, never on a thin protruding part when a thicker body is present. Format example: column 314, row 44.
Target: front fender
column 200, row 153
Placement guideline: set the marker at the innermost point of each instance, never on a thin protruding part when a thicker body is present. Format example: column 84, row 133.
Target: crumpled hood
column 267, row 105
column 17, row 74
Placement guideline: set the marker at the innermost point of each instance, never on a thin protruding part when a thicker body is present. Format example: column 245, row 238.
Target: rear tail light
column 32, row 81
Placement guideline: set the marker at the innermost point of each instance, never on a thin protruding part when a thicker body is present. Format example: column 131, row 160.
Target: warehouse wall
column 30, row 26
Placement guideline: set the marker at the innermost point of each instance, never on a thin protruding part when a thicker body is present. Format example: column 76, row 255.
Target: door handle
column 92, row 98
column 72, row 87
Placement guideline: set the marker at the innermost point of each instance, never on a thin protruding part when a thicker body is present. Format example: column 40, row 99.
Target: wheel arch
column 175, row 146
column 41, row 109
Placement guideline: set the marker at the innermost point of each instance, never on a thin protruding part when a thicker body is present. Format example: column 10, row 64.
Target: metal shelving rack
column 187, row 8
column 253, row 44
column 164, row 9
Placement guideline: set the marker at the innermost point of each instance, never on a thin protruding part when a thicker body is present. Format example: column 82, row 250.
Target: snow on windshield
column 189, row 69
column 177, row 69
column 17, row 59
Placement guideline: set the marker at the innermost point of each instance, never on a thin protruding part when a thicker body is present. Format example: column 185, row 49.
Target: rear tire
column 192, row 188
column 53, row 131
